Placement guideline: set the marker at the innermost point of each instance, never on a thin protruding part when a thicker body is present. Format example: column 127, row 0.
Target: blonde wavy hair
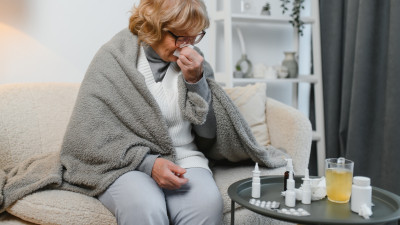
column 151, row 18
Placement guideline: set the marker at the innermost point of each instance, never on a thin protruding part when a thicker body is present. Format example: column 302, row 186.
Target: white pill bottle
column 361, row 193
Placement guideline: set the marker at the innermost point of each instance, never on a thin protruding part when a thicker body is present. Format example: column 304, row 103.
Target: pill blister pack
column 294, row 212
column 274, row 205
column 265, row 204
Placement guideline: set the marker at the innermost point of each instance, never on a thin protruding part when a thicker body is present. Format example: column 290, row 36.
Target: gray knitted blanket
column 116, row 122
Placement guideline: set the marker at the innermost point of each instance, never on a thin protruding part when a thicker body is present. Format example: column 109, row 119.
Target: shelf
column 300, row 79
column 246, row 18
column 222, row 24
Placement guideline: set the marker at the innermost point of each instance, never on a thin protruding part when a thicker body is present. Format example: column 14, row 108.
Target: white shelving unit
column 228, row 19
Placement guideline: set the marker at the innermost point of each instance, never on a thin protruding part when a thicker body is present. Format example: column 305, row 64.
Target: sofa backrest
column 33, row 119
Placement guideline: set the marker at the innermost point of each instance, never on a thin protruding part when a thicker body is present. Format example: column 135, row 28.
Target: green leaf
column 238, row 68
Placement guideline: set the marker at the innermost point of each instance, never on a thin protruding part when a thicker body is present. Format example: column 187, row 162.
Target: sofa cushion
column 8, row 219
column 61, row 207
column 251, row 101
column 33, row 119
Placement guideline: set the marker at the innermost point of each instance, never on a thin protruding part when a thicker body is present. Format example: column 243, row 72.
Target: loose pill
column 252, row 201
column 305, row 213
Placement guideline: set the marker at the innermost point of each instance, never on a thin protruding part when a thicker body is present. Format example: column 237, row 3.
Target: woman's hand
column 191, row 64
column 168, row 175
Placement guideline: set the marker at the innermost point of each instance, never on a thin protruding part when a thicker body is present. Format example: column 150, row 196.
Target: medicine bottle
column 256, row 185
column 290, row 195
column 289, row 168
column 361, row 193
column 306, row 195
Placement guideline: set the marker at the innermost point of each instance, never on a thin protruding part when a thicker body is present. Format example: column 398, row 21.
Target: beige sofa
column 33, row 119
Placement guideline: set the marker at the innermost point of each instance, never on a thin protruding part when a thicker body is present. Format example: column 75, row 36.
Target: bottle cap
column 306, row 184
column 361, row 181
column 256, row 171
column 289, row 165
column 306, row 175
column 306, row 179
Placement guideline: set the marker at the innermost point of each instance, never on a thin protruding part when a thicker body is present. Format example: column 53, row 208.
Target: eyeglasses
column 181, row 40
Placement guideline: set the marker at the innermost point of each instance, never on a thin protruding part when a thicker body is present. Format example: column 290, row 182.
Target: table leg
column 232, row 212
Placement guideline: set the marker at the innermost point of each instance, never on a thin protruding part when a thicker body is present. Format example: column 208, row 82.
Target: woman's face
column 165, row 48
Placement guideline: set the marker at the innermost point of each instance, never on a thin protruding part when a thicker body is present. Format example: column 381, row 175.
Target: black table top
column 386, row 209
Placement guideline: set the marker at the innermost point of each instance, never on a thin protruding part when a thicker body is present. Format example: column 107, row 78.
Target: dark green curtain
column 360, row 42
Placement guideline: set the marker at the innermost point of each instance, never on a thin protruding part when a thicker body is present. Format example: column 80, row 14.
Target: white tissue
column 177, row 52
column 318, row 188
column 365, row 211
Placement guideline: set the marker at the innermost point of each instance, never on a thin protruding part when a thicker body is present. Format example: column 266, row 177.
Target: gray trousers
column 135, row 198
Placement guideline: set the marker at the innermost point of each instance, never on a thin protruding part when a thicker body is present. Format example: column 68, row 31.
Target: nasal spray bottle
column 290, row 195
column 306, row 195
column 289, row 167
column 255, row 185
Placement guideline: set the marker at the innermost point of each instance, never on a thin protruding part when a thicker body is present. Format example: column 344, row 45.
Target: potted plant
column 238, row 72
column 295, row 15
column 266, row 9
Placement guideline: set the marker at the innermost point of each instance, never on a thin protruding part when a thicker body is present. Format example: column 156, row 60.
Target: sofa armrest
column 291, row 131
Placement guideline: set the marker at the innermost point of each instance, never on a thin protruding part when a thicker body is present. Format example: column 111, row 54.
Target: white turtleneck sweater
column 180, row 130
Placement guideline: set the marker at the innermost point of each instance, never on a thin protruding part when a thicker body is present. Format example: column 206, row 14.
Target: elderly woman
column 148, row 117
column 159, row 190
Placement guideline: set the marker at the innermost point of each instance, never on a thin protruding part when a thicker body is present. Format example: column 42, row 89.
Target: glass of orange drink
column 338, row 176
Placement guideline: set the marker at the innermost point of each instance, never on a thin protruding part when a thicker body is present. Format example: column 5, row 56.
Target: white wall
column 55, row 40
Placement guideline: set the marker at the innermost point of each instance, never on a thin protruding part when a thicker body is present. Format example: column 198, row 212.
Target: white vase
column 291, row 64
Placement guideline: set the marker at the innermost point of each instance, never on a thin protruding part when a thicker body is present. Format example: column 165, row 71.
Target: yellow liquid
column 338, row 184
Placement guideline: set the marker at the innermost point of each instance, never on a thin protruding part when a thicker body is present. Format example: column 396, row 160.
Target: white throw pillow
column 251, row 101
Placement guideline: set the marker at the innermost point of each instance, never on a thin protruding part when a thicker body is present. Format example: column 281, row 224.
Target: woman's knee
column 209, row 200
column 205, row 208
column 210, row 206
column 145, row 212
column 134, row 197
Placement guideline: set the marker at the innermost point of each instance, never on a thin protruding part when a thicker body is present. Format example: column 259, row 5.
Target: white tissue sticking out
column 365, row 211
column 318, row 189
column 177, row 52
